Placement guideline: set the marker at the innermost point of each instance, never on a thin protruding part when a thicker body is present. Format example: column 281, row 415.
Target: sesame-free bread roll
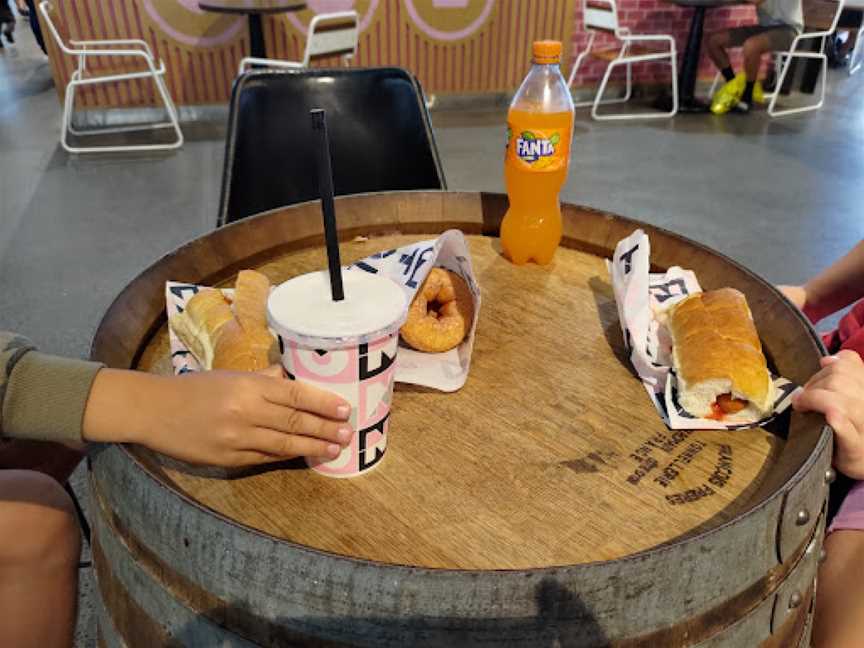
column 245, row 343
column 220, row 338
column 239, row 349
column 199, row 325
column 717, row 357
column 250, row 299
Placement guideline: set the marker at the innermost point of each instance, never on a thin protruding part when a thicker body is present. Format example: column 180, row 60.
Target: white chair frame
column 596, row 19
column 856, row 55
column 105, row 48
column 316, row 45
column 783, row 63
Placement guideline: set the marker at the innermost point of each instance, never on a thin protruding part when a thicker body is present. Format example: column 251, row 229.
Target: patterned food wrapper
column 641, row 296
column 407, row 266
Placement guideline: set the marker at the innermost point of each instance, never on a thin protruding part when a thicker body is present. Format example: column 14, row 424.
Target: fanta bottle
column 539, row 128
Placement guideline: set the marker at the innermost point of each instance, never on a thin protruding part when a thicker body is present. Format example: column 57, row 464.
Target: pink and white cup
column 346, row 347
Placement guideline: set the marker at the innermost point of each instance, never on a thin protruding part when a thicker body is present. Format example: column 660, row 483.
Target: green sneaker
column 758, row 93
column 728, row 96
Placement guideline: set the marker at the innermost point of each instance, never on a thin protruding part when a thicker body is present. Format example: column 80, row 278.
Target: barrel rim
column 100, row 339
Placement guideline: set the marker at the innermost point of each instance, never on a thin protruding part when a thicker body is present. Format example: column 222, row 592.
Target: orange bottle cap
column 546, row 52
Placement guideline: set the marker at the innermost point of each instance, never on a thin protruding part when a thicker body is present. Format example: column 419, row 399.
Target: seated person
column 215, row 417
column 7, row 22
column 837, row 391
column 780, row 21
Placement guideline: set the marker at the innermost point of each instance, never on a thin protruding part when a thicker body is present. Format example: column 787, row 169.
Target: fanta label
column 537, row 149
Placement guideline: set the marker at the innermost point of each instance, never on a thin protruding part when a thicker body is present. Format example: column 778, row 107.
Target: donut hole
column 434, row 308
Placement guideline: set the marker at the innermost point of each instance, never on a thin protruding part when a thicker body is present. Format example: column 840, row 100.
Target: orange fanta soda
column 539, row 128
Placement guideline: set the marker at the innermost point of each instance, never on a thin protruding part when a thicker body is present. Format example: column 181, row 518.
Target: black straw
column 325, row 188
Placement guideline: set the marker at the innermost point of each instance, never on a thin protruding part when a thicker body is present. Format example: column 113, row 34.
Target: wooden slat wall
column 202, row 55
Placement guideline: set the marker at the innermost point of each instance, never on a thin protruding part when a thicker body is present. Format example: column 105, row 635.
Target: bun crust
column 198, row 326
column 222, row 339
column 716, row 351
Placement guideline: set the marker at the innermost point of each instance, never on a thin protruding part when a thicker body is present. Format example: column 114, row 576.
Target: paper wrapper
column 407, row 266
column 641, row 295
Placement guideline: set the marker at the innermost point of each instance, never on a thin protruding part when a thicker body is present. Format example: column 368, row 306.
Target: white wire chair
column 602, row 15
column 83, row 77
column 784, row 63
column 855, row 55
column 329, row 34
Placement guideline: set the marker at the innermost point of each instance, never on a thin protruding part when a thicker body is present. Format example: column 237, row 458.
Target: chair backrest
column 600, row 14
column 380, row 137
column 46, row 9
column 330, row 34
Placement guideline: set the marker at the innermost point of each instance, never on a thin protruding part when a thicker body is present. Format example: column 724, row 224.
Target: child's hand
column 220, row 418
column 837, row 391
column 796, row 294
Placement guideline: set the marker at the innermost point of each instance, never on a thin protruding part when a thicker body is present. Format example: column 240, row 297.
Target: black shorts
column 780, row 37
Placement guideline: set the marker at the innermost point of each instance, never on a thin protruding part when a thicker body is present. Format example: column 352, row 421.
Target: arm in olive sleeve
column 42, row 397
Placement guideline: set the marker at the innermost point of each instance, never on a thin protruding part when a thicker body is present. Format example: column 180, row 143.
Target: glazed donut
column 441, row 314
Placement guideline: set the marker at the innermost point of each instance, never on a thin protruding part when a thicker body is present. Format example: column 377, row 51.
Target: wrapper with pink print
column 347, row 347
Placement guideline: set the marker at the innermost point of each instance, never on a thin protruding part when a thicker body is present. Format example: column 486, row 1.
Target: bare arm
column 834, row 288
column 217, row 417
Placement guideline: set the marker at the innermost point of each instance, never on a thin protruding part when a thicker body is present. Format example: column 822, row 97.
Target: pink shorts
column 851, row 513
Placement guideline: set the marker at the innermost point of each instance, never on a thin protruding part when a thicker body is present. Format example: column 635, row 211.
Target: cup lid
column 302, row 308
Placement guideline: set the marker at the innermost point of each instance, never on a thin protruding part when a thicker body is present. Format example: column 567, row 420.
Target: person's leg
column 8, row 17
column 839, row 619
column 35, row 26
column 716, row 46
column 753, row 49
column 40, row 545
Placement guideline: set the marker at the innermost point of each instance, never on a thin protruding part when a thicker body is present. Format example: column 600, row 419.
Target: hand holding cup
column 220, row 418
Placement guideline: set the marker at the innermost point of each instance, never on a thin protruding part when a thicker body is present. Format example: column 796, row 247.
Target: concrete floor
column 782, row 197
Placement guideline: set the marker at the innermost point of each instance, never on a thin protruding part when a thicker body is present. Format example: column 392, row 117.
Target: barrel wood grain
column 552, row 454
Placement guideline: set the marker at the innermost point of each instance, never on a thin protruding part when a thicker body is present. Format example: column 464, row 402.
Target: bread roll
column 222, row 339
column 239, row 349
column 717, row 357
column 250, row 299
column 199, row 325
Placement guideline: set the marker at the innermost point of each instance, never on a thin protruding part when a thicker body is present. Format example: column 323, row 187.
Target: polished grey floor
column 784, row 197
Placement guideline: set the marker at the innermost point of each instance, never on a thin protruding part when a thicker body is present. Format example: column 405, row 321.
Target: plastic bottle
column 539, row 129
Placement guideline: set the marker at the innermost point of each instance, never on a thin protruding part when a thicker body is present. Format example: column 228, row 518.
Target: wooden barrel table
column 544, row 504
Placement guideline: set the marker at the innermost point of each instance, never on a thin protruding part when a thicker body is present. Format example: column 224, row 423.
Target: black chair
column 380, row 137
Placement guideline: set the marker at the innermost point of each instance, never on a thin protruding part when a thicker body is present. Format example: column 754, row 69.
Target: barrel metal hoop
column 689, row 632
column 802, row 502
column 148, row 631
column 697, row 629
column 792, row 594
column 138, row 624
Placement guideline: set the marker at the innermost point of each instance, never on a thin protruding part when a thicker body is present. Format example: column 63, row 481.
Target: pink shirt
column 849, row 334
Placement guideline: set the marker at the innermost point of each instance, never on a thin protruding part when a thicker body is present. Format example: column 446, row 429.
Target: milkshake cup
column 347, row 347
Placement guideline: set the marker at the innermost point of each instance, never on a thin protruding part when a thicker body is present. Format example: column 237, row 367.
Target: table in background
column 687, row 102
column 254, row 9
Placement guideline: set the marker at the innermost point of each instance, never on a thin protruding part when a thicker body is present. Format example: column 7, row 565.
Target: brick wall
column 656, row 17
